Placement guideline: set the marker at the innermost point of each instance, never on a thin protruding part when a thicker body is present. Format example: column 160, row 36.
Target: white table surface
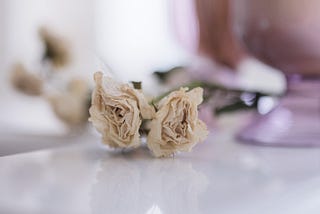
column 219, row 176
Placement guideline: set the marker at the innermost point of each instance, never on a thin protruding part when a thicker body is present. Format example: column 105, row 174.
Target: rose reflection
column 140, row 186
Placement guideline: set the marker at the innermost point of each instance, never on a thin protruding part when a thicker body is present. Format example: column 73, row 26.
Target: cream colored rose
column 176, row 126
column 117, row 111
column 71, row 105
column 25, row 81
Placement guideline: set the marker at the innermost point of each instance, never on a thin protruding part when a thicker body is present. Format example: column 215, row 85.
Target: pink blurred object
column 207, row 70
column 295, row 122
column 206, row 114
column 283, row 34
column 185, row 24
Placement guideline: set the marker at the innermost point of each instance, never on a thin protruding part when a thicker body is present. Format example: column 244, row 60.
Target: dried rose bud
column 72, row 106
column 56, row 50
column 117, row 111
column 26, row 82
column 176, row 126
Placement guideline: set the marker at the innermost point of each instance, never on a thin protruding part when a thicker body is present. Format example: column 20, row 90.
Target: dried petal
column 176, row 126
column 117, row 111
column 26, row 82
column 71, row 106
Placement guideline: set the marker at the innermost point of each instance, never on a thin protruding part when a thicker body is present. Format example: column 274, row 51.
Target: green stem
column 237, row 104
column 205, row 85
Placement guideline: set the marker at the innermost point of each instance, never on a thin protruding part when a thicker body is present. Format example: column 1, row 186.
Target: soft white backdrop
column 132, row 37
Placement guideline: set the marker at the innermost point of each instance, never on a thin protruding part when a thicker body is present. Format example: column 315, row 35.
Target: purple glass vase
column 294, row 122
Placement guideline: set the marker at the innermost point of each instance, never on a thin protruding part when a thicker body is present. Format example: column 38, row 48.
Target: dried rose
column 26, row 82
column 117, row 111
column 56, row 49
column 72, row 105
column 176, row 126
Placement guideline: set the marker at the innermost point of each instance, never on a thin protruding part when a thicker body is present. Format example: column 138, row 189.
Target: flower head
column 117, row 111
column 25, row 81
column 176, row 126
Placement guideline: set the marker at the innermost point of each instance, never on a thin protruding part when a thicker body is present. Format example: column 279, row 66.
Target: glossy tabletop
column 219, row 176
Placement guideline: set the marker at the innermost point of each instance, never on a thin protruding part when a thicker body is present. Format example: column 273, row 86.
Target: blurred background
column 50, row 49
column 260, row 55
column 129, row 39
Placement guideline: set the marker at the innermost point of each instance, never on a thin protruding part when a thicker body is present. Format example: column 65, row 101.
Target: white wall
column 136, row 37
column 133, row 37
column 1, row 39
column 73, row 20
